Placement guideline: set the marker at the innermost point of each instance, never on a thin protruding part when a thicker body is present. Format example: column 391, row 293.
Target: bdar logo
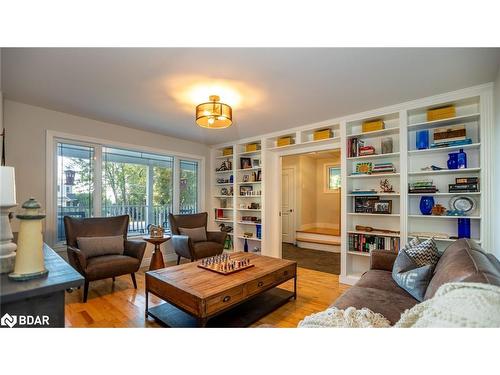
column 8, row 320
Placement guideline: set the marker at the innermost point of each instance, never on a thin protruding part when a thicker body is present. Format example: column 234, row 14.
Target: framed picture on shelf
column 245, row 163
column 256, row 163
column 245, row 190
column 246, row 178
column 383, row 207
column 365, row 204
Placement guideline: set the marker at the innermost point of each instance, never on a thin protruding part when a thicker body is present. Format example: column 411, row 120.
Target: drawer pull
column 226, row 299
column 261, row 283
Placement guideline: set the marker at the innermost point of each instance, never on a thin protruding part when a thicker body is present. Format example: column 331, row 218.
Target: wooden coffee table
column 195, row 297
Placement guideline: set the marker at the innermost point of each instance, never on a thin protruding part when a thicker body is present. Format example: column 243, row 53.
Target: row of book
column 383, row 168
column 353, row 147
column 464, row 185
column 422, row 186
column 366, row 243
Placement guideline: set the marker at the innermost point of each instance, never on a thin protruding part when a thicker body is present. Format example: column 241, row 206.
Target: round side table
column 157, row 258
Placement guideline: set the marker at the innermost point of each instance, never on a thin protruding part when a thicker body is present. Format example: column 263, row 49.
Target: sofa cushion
column 110, row 265
column 97, row 246
column 464, row 261
column 391, row 305
column 207, row 249
column 378, row 279
column 195, row 234
column 409, row 276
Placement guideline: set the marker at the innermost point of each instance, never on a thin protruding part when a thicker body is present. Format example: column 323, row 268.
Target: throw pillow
column 196, row 234
column 97, row 246
column 423, row 253
column 409, row 276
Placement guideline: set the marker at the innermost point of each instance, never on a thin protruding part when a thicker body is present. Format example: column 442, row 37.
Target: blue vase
column 259, row 231
column 453, row 160
column 461, row 159
column 422, row 139
column 463, row 228
column 426, row 204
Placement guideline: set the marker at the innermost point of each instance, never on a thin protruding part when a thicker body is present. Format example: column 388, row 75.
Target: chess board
column 214, row 269
column 224, row 264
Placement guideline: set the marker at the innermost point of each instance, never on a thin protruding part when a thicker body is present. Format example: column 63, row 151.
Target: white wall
column 496, row 241
column 26, row 127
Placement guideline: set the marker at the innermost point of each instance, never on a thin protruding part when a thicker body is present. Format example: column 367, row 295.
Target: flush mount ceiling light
column 214, row 114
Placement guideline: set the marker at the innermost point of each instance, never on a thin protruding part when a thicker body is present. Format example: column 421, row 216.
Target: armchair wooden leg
column 85, row 291
column 133, row 280
column 178, row 259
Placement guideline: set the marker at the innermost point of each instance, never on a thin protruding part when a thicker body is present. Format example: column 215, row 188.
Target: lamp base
column 28, row 276
column 7, row 263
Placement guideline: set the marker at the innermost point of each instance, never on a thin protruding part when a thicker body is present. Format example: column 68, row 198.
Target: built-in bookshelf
column 419, row 161
column 371, row 157
column 401, row 124
column 237, row 193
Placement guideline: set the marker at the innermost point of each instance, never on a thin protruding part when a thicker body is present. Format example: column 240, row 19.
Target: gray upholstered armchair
column 185, row 246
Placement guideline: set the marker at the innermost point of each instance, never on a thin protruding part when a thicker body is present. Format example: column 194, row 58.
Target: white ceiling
column 297, row 86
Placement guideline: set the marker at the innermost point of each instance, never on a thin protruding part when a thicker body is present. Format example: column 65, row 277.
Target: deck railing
column 140, row 216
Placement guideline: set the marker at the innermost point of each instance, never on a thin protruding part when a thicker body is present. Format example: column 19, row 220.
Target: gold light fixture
column 214, row 114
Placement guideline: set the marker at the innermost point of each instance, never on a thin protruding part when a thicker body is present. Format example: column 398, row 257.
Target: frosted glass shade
column 214, row 114
column 7, row 187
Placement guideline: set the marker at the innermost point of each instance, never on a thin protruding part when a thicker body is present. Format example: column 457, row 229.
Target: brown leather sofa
column 462, row 261
column 106, row 266
column 185, row 247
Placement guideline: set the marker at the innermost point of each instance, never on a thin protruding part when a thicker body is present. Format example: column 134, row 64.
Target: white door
column 287, row 205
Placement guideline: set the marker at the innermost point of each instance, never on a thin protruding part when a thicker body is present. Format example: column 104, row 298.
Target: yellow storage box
column 371, row 126
column 322, row 134
column 228, row 151
column 252, row 147
column 284, row 141
column 441, row 113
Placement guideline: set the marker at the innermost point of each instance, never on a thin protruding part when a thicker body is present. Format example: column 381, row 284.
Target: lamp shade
column 7, row 187
column 214, row 114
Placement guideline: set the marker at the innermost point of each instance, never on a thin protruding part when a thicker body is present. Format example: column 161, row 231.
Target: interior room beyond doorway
column 310, row 209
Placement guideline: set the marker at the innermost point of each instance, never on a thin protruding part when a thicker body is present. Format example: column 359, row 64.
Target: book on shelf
column 451, row 143
column 366, row 243
column 422, row 186
column 353, row 147
column 364, row 192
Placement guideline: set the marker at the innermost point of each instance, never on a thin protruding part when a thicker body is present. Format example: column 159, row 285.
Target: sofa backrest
column 464, row 261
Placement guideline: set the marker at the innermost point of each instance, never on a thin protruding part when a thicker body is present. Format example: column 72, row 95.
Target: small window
column 333, row 180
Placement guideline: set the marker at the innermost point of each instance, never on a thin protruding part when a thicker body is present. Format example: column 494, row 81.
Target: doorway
column 311, row 209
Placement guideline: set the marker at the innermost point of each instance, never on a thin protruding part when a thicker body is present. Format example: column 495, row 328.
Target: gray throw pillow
column 196, row 234
column 409, row 276
column 97, row 246
column 414, row 266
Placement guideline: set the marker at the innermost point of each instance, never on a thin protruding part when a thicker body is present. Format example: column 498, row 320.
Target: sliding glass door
column 97, row 180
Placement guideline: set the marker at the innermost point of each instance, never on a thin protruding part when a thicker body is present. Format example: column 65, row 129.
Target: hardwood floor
column 325, row 231
column 118, row 304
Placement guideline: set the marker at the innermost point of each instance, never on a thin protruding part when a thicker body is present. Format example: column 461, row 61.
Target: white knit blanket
column 348, row 318
column 453, row 305
column 456, row 305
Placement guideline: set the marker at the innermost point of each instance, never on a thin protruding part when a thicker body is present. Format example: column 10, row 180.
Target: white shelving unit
column 468, row 114
column 357, row 262
column 474, row 108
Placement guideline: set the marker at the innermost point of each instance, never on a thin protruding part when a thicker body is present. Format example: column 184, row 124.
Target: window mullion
column 97, row 176
column 176, row 187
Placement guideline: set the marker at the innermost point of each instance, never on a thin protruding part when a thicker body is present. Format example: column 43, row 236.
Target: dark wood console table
column 40, row 297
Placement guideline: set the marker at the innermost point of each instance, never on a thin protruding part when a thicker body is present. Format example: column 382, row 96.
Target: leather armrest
column 77, row 259
column 218, row 237
column 134, row 249
column 382, row 260
column 183, row 246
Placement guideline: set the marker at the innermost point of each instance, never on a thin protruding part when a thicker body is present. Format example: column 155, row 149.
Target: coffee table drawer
column 286, row 273
column 261, row 283
column 222, row 301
